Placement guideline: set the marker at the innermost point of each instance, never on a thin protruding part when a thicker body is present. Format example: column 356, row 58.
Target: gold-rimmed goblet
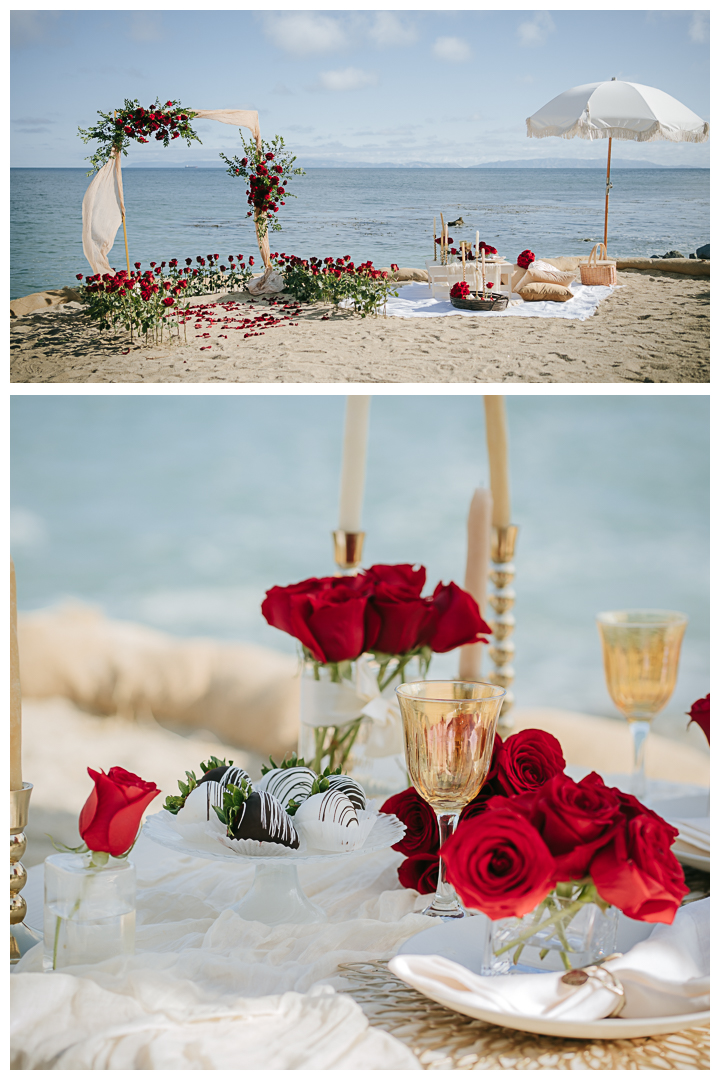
column 641, row 649
column 449, row 730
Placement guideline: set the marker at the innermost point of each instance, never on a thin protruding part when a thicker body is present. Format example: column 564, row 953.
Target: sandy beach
column 655, row 328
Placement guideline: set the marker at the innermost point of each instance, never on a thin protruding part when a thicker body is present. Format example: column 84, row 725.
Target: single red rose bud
column 110, row 819
column 79, row 277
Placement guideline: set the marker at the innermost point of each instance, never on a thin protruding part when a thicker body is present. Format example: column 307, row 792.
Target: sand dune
column 654, row 329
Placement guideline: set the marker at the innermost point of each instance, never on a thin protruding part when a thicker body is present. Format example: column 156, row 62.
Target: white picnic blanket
column 416, row 302
column 209, row 990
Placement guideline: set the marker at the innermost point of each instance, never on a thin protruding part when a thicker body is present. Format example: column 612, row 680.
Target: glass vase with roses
column 550, row 861
column 360, row 637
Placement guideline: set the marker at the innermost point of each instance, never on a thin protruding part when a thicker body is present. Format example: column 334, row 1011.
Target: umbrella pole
column 608, row 185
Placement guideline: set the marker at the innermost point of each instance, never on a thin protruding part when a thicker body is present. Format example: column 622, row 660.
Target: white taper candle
column 496, row 431
column 15, row 694
column 476, row 572
column 352, row 480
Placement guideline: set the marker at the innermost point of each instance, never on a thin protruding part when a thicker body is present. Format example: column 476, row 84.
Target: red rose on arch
column 110, row 819
column 419, row 872
column 499, row 864
column 700, row 714
column 528, row 760
column 422, row 836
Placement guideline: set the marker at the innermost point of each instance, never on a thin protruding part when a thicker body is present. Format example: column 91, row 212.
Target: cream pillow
column 543, row 271
column 544, row 290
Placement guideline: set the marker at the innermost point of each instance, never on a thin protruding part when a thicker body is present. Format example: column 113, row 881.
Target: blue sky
column 449, row 88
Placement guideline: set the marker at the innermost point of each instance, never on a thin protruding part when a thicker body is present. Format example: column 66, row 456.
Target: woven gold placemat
column 443, row 1039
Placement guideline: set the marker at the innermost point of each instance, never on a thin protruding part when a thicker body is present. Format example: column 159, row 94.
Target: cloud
column 699, row 29
column 28, row 28
column 388, row 30
column 536, row 31
column 35, row 121
column 452, row 49
column 348, row 79
column 305, row 32
column 146, row 26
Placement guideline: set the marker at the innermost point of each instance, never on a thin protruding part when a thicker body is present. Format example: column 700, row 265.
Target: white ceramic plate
column 465, row 941
column 580, row 1029
column 162, row 829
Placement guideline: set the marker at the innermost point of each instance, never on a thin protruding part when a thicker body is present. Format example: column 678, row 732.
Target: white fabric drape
column 247, row 118
column 102, row 214
column 103, row 207
column 207, row 989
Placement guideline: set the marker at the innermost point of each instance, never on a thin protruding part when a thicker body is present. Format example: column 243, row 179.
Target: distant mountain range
column 569, row 163
column 522, row 163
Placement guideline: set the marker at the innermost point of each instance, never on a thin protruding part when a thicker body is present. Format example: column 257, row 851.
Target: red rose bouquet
column 460, row 290
column 267, row 172
column 365, row 630
column 115, row 131
column 520, row 765
column 555, row 849
column 525, row 258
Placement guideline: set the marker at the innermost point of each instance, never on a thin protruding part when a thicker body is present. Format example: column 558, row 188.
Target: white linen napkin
column 694, row 836
column 668, row 974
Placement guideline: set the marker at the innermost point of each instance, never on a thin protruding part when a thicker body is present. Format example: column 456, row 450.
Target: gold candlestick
column 22, row 938
column 348, row 549
column 502, row 601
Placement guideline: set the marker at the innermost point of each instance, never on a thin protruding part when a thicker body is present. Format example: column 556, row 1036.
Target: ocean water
column 181, row 511
column 380, row 214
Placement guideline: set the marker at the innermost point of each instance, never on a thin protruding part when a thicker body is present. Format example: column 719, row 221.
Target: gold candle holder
column 502, row 601
column 22, row 938
column 348, row 549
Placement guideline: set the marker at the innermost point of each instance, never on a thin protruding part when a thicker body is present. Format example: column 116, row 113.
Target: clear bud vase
column 89, row 913
column 349, row 717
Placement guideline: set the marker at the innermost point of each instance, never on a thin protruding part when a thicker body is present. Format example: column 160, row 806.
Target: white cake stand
column 276, row 895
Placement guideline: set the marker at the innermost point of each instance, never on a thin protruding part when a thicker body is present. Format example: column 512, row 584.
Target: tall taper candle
column 476, row 572
column 352, row 482
column 434, row 240
column 496, row 431
column 15, row 696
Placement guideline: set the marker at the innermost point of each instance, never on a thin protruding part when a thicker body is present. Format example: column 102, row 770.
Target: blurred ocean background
column 384, row 215
column 180, row 511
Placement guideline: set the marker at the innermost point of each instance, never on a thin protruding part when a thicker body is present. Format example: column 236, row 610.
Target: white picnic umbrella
column 617, row 110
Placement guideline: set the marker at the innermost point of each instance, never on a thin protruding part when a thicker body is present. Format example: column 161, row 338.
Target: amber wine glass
column 449, row 730
column 641, row 650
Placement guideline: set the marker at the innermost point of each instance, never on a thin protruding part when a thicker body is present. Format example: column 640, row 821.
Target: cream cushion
column 544, row 271
column 544, row 290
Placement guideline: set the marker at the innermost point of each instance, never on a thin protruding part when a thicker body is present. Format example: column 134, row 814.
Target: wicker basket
column 598, row 270
column 474, row 302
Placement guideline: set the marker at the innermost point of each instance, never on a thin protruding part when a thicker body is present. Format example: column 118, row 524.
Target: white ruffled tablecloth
column 416, row 302
column 208, row 990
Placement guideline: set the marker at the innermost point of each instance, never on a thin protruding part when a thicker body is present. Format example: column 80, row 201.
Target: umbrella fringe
column 653, row 134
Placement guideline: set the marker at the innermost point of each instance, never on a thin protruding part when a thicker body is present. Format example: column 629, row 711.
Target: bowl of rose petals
column 461, row 296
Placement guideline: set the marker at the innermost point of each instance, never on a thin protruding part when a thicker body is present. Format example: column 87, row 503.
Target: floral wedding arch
column 103, row 208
